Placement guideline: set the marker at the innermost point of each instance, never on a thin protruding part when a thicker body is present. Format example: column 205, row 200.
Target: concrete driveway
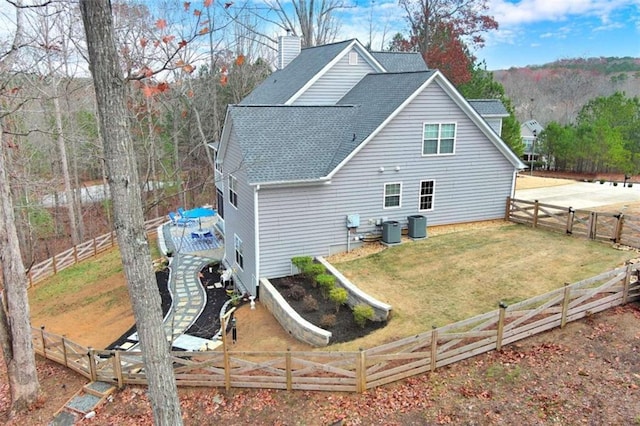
column 582, row 195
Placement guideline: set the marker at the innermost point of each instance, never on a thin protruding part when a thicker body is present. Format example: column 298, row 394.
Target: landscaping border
column 289, row 319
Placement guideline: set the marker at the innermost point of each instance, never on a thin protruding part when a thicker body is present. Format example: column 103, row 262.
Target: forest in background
column 558, row 90
column 184, row 69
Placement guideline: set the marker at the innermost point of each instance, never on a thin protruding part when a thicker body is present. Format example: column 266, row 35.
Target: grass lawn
column 451, row 277
column 88, row 302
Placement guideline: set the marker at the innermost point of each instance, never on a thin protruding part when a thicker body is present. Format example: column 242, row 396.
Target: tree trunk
column 110, row 90
column 64, row 164
column 15, row 325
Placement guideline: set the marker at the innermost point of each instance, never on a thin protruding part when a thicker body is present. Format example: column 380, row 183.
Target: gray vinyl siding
column 337, row 81
column 239, row 220
column 471, row 185
column 496, row 124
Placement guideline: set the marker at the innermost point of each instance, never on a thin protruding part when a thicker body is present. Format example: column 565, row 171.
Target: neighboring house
column 339, row 131
column 530, row 131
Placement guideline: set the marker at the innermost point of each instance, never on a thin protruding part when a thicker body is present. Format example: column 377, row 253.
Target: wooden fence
column 48, row 268
column 364, row 369
column 616, row 227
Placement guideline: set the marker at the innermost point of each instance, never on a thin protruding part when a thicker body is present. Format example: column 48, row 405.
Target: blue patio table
column 201, row 233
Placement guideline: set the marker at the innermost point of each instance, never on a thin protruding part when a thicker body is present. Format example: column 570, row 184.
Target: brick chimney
column 288, row 49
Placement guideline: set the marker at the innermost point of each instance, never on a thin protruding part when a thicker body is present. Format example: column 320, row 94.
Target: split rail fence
column 616, row 227
column 50, row 267
column 364, row 369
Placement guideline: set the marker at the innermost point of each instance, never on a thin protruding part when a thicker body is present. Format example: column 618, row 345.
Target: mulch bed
column 208, row 323
column 345, row 328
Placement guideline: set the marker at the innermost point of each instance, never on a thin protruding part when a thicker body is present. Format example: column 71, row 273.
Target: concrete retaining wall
column 356, row 296
column 289, row 319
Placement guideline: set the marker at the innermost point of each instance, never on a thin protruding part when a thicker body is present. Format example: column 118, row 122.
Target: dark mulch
column 345, row 328
column 208, row 323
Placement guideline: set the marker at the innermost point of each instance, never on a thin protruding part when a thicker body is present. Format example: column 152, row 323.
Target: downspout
column 256, row 232
column 513, row 183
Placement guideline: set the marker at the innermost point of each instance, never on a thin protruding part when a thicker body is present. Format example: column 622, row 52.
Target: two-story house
column 340, row 132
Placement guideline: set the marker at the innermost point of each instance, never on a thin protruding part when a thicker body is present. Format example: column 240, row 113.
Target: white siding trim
column 256, row 239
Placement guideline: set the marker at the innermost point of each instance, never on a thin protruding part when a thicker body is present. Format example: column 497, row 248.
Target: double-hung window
column 438, row 138
column 392, row 195
column 426, row 195
column 233, row 194
column 237, row 245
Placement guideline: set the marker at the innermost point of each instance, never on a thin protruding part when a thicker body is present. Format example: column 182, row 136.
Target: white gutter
column 256, row 232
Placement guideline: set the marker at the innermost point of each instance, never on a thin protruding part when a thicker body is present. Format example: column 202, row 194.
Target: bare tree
column 15, row 324
column 313, row 21
column 111, row 91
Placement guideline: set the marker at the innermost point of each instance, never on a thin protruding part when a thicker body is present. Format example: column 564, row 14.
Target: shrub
column 297, row 292
column 615, row 183
column 312, row 270
column 629, row 184
column 309, row 303
column 601, row 181
column 328, row 321
column 339, row 296
column 362, row 313
column 326, row 282
column 301, row 261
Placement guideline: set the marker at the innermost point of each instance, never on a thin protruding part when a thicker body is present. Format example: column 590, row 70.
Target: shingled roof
column 283, row 84
column 489, row 107
column 305, row 143
column 400, row 61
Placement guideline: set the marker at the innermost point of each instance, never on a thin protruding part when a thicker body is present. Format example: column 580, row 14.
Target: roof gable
column 283, row 84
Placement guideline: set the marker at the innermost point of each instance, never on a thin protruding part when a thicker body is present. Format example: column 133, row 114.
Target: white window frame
column 385, row 195
column 238, row 251
column 439, row 138
column 432, row 195
column 353, row 58
column 233, row 191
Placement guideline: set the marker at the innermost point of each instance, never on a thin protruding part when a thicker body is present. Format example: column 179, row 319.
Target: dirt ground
column 588, row 373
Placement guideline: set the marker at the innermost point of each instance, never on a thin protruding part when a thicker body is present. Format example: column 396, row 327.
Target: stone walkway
column 189, row 297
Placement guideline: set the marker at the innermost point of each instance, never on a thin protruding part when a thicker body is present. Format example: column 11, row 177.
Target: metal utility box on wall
column 417, row 226
column 353, row 221
column 391, row 232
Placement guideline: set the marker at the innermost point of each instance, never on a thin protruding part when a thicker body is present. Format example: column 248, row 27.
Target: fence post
column 570, row 216
column 565, row 304
column 92, row 365
column 95, row 247
column 507, row 210
column 592, row 225
column 75, row 254
column 434, row 347
column 44, row 347
column 287, row 363
column 361, row 372
column 53, row 264
column 64, row 351
column 502, row 312
column 117, row 368
column 535, row 214
column 627, row 282
column 113, row 241
column 617, row 235
column 30, row 279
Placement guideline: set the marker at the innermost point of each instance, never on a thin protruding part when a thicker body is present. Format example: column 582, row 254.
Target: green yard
column 454, row 276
